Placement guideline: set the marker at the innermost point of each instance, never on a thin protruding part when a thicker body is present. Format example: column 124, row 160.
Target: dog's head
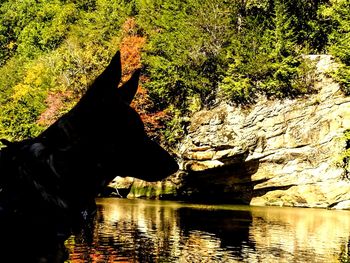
column 105, row 135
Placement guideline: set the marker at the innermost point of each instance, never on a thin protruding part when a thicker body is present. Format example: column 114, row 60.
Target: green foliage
column 337, row 12
column 175, row 128
column 184, row 56
column 346, row 154
column 266, row 52
column 185, row 48
column 26, row 101
column 195, row 51
column 51, row 46
column 342, row 75
column 30, row 27
column 19, row 121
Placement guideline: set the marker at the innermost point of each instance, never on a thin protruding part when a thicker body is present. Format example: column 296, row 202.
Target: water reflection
column 158, row 231
column 300, row 235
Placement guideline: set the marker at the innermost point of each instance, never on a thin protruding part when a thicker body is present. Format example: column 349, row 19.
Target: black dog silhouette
column 48, row 183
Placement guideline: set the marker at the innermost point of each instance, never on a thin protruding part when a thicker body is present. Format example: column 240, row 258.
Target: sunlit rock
column 278, row 152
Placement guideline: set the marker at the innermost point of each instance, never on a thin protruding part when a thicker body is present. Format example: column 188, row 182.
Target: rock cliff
column 277, row 152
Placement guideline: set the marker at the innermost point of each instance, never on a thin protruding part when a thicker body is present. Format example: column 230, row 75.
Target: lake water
column 162, row 231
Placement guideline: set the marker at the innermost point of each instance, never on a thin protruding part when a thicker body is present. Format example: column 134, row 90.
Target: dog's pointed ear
column 128, row 90
column 112, row 74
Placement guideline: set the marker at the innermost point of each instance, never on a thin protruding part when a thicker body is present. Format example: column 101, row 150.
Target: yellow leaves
column 83, row 80
column 34, row 75
column 327, row 12
column 330, row 10
column 31, row 82
column 20, row 91
column 11, row 45
column 339, row 2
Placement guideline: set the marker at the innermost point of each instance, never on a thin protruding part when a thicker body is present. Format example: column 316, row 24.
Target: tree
column 337, row 13
column 265, row 54
column 186, row 41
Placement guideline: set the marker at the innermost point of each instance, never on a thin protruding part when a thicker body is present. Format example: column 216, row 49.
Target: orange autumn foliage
column 131, row 48
column 54, row 102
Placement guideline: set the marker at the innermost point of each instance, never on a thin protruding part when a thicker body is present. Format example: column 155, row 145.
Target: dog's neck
column 60, row 176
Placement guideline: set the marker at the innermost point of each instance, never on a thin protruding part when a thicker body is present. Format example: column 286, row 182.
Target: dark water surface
column 162, row 231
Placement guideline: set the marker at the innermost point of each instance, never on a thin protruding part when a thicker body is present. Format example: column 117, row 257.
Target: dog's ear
column 111, row 76
column 128, row 90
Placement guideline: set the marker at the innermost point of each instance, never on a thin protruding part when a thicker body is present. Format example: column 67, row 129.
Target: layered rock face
column 284, row 152
column 276, row 152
